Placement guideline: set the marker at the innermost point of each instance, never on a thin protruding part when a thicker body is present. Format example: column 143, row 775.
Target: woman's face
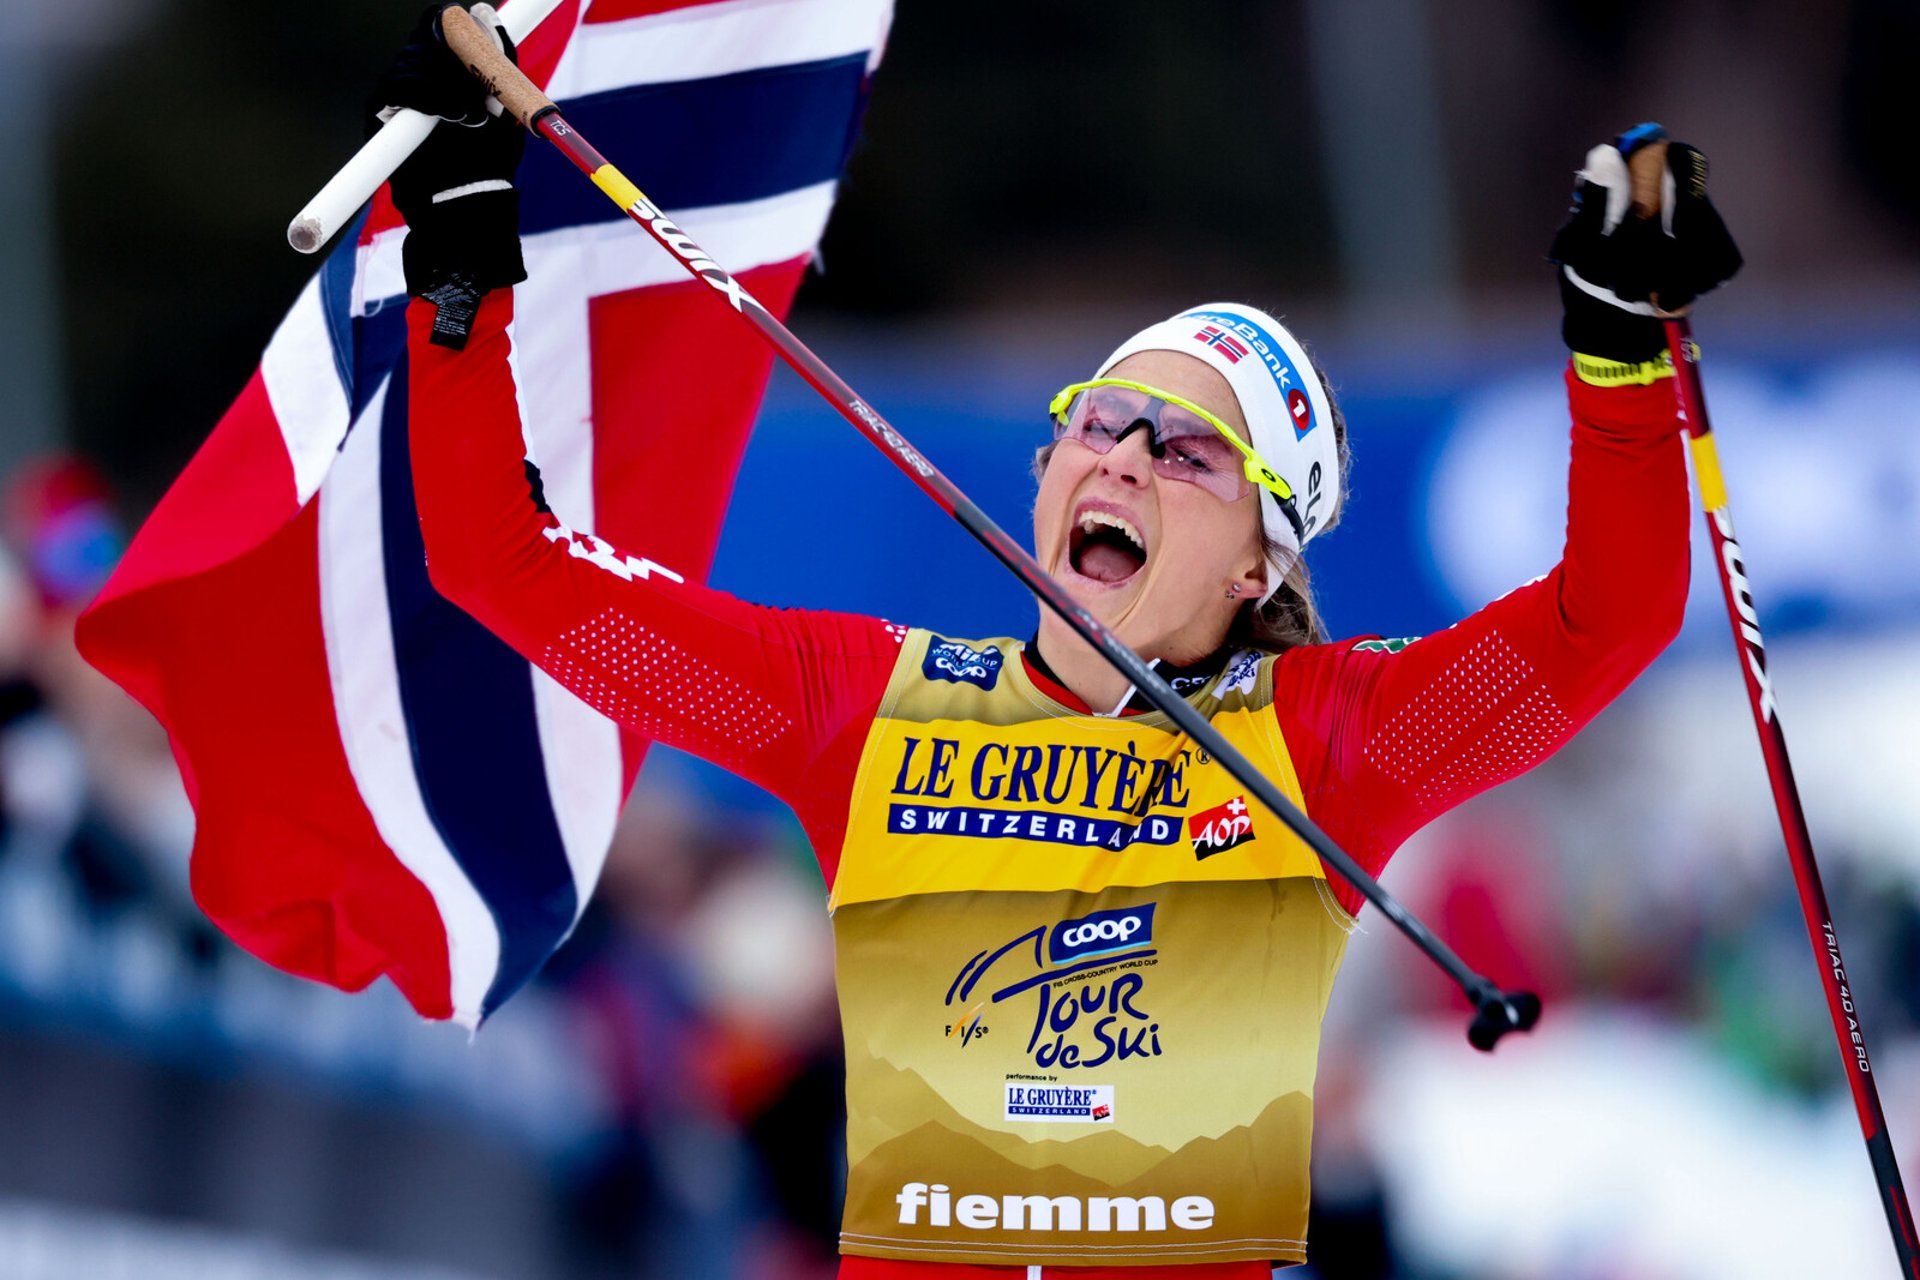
column 1152, row 558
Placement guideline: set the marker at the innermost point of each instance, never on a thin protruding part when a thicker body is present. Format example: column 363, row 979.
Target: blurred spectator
column 87, row 783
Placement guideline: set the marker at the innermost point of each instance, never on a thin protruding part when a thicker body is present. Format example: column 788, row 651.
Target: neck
column 1078, row 666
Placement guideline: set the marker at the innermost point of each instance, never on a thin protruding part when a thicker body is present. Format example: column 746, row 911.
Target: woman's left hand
column 1623, row 265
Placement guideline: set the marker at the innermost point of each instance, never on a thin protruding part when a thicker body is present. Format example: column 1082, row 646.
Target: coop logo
column 1223, row 827
column 1130, row 1214
column 1059, row 1104
column 1101, row 933
column 960, row 663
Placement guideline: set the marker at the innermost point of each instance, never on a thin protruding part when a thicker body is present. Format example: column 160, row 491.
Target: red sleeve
column 781, row 697
column 1385, row 741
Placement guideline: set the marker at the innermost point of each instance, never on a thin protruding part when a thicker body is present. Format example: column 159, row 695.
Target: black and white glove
column 456, row 192
column 1621, row 270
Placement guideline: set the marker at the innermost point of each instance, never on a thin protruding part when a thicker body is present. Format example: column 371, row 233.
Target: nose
column 1131, row 458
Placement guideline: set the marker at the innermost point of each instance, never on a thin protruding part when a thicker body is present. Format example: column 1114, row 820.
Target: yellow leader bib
column 1081, row 977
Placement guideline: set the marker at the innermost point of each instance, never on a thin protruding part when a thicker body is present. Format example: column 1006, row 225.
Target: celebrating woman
column 1081, row 978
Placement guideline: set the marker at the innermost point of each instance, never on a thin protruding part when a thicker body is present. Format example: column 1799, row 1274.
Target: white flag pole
column 336, row 203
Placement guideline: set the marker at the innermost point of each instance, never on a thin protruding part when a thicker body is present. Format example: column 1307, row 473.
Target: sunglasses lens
column 1098, row 416
column 1186, row 447
column 1194, row 451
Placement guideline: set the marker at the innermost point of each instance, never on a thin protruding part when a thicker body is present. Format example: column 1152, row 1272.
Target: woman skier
column 1081, row 979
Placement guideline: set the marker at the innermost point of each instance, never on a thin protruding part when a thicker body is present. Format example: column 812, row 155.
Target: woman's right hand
column 456, row 192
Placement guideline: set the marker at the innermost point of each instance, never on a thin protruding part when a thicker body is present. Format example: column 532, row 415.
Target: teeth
column 1091, row 519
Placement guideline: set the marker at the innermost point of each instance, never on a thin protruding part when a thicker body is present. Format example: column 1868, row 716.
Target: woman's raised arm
column 773, row 695
column 1393, row 734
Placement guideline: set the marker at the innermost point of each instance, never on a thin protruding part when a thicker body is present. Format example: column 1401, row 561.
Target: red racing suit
column 1378, row 738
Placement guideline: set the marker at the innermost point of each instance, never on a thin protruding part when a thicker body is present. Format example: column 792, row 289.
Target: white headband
column 1281, row 397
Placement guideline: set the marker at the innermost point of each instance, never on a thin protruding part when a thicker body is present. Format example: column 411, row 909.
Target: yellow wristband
column 1598, row 372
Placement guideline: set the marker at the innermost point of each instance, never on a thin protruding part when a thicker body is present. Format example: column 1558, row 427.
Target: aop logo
column 1223, row 827
column 1120, row 929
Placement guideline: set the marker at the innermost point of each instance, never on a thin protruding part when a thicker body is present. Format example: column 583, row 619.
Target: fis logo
column 1223, row 827
column 1101, row 933
column 960, row 663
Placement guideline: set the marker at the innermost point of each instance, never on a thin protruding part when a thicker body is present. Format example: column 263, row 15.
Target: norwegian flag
column 382, row 787
column 1223, row 342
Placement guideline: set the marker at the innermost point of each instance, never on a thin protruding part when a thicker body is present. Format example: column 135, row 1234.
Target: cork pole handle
column 481, row 53
column 1646, row 167
column 1647, row 171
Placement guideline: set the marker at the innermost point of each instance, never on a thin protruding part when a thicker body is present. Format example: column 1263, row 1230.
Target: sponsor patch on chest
column 1223, row 827
column 1059, row 1103
column 961, row 663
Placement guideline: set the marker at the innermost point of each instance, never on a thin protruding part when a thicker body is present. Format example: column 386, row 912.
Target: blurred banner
column 1458, row 488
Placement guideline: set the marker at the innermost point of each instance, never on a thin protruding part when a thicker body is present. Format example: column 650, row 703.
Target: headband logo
column 1302, row 411
column 1223, row 342
column 1250, row 337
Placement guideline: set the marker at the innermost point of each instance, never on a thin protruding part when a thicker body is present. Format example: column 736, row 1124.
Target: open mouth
column 1105, row 547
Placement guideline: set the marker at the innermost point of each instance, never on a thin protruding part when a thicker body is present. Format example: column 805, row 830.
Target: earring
column 1233, row 591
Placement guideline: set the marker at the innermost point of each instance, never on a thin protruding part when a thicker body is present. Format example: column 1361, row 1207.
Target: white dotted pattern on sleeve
column 641, row 679
column 1512, row 745
column 1443, row 742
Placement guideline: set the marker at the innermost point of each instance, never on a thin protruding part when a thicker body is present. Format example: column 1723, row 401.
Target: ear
column 1253, row 579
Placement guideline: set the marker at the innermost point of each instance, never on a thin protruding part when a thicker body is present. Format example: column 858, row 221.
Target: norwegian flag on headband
column 381, row 786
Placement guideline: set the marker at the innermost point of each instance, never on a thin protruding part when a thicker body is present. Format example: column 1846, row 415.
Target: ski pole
column 1745, row 620
column 385, row 151
column 1495, row 1012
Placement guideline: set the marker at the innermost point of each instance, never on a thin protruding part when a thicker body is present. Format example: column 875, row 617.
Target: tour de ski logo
column 1223, row 827
column 961, row 663
column 1078, row 985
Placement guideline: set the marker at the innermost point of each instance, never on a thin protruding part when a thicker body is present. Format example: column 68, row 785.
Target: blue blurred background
column 664, row 1101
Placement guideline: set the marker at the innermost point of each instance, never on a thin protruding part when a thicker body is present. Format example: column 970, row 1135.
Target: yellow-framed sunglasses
column 1187, row 443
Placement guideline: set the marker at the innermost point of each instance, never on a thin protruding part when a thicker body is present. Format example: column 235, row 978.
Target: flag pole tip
column 305, row 234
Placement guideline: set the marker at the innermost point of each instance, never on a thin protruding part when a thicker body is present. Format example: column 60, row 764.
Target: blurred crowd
column 666, row 1099
column 671, row 1084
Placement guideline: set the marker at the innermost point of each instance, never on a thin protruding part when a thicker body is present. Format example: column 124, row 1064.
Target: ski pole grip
column 1645, row 168
column 481, row 53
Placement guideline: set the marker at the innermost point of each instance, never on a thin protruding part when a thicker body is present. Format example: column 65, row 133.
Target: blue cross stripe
column 697, row 143
column 470, row 716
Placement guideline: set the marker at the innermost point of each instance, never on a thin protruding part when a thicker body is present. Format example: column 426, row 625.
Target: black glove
column 1619, row 269
column 456, row 192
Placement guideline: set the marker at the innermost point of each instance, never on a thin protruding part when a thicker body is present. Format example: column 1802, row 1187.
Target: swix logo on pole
column 1749, row 616
column 668, row 233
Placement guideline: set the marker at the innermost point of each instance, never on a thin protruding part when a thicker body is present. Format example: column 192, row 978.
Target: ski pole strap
column 1598, row 371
